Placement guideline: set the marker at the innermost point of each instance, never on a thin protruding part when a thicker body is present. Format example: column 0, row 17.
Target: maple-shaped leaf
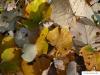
column 85, row 32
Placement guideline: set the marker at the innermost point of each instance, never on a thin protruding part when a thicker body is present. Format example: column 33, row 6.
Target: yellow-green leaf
column 8, row 54
column 34, row 5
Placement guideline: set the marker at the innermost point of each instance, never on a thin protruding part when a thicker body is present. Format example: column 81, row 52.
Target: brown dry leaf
column 36, row 67
column 41, row 63
column 91, row 58
column 88, row 57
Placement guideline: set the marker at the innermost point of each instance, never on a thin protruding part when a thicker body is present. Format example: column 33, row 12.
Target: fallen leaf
column 29, row 52
column 91, row 57
column 85, row 33
column 8, row 54
column 78, row 6
column 41, row 43
column 27, row 69
column 61, row 12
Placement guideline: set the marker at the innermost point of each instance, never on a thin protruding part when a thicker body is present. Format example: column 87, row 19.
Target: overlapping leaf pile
column 49, row 37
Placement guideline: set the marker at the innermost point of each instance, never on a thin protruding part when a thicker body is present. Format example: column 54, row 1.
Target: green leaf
column 89, row 48
column 11, row 66
column 35, row 17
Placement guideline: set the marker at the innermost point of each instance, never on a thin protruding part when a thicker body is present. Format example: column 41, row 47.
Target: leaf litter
column 49, row 37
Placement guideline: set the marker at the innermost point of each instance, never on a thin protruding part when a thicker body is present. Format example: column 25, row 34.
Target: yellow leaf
column 65, row 39
column 60, row 38
column 44, row 33
column 27, row 69
column 41, row 43
column 34, row 5
column 53, row 36
column 8, row 54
